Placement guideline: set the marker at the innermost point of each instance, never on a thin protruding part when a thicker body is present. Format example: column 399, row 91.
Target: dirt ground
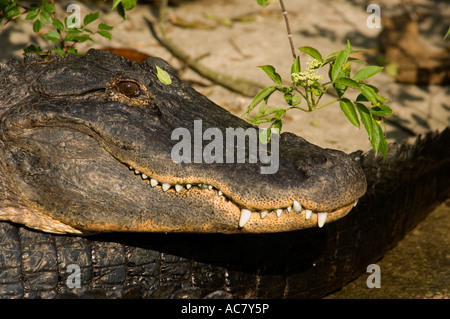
column 239, row 47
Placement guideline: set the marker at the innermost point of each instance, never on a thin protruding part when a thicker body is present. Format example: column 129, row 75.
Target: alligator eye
column 129, row 88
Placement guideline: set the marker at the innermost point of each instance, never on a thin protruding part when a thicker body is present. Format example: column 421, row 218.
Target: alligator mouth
column 296, row 210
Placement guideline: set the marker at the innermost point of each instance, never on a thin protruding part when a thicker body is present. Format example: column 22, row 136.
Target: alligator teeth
column 356, row 202
column 308, row 213
column 165, row 186
column 289, row 209
column 153, row 182
column 321, row 218
column 137, row 172
column 245, row 216
column 297, row 207
column 219, row 193
column 188, row 186
column 264, row 213
column 279, row 211
column 178, row 187
column 144, row 176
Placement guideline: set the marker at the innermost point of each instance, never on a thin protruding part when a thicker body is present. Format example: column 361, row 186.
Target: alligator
column 90, row 192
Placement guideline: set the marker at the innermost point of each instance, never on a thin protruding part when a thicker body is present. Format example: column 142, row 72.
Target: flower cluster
column 309, row 77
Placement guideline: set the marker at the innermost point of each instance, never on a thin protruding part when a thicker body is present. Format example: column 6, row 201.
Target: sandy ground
column 238, row 49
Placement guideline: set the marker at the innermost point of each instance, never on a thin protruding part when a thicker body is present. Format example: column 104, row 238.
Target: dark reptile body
column 299, row 264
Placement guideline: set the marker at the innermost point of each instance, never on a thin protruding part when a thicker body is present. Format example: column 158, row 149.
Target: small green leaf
column 295, row 68
column 33, row 13
column 347, row 82
column 37, row 25
column 115, row 3
column 292, row 99
column 382, row 146
column 49, row 7
column 447, row 35
column 340, row 61
column 349, row 111
column 52, row 36
column 129, row 4
column 45, row 17
column 105, row 27
column 369, row 93
column 270, row 71
column 270, row 110
column 263, row 3
column 312, row 52
column 58, row 50
column 73, row 51
column 163, row 76
column 382, row 110
column 105, row 34
column 367, row 72
column 32, row 48
column 58, row 24
column 366, row 119
column 265, row 93
column 90, row 18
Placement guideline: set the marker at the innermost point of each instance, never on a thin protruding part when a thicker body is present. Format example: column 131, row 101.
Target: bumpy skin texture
column 72, row 128
column 301, row 264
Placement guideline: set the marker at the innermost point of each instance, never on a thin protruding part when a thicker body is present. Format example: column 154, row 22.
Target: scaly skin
column 83, row 138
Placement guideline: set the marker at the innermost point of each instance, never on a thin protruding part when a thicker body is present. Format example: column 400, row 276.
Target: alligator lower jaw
column 293, row 217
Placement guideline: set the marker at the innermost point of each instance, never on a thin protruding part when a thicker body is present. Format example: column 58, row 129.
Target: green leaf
column 58, row 24
column 115, row 3
column 52, row 36
column 382, row 146
column 270, row 71
column 265, row 93
column 347, row 82
column 33, row 13
column 270, row 110
column 163, row 76
column 90, row 18
column 32, row 48
column 369, row 93
column 37, row 25
column 366, row 118
column 382, row 110
column 447, row 35
column 340, row 61
column 263, row 3
column 73, row 51
column 367, row 72
column 129, row 4
column 105, row 34
column 58, row 50
column 45, row 18
column 295, row 68
column 49, row 7
column 292, row 99
column 349, row 111
column 105, row 27
column 312, row 52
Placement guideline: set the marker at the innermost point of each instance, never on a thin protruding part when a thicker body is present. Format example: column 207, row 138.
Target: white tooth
column 144, row 176
column 264, row 213
column 219, row 193
column 297, row 207
column 178, row 187
column 321, row 218
column 289, row 209
column 205, row 185
column 131, row 167
column 279, row 211
column 245, row 216
column 210, row 186
column 165, row 186
column 188, row 186
column 356, row 202
column 153, row 182
column 308, row 213
column 136, row 171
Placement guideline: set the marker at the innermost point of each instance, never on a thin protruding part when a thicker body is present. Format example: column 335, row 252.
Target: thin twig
column 286, row 19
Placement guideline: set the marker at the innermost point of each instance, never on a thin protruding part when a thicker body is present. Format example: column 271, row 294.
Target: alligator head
column 93, row 144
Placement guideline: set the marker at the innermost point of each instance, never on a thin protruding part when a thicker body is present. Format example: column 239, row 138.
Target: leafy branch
column 307, row 88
